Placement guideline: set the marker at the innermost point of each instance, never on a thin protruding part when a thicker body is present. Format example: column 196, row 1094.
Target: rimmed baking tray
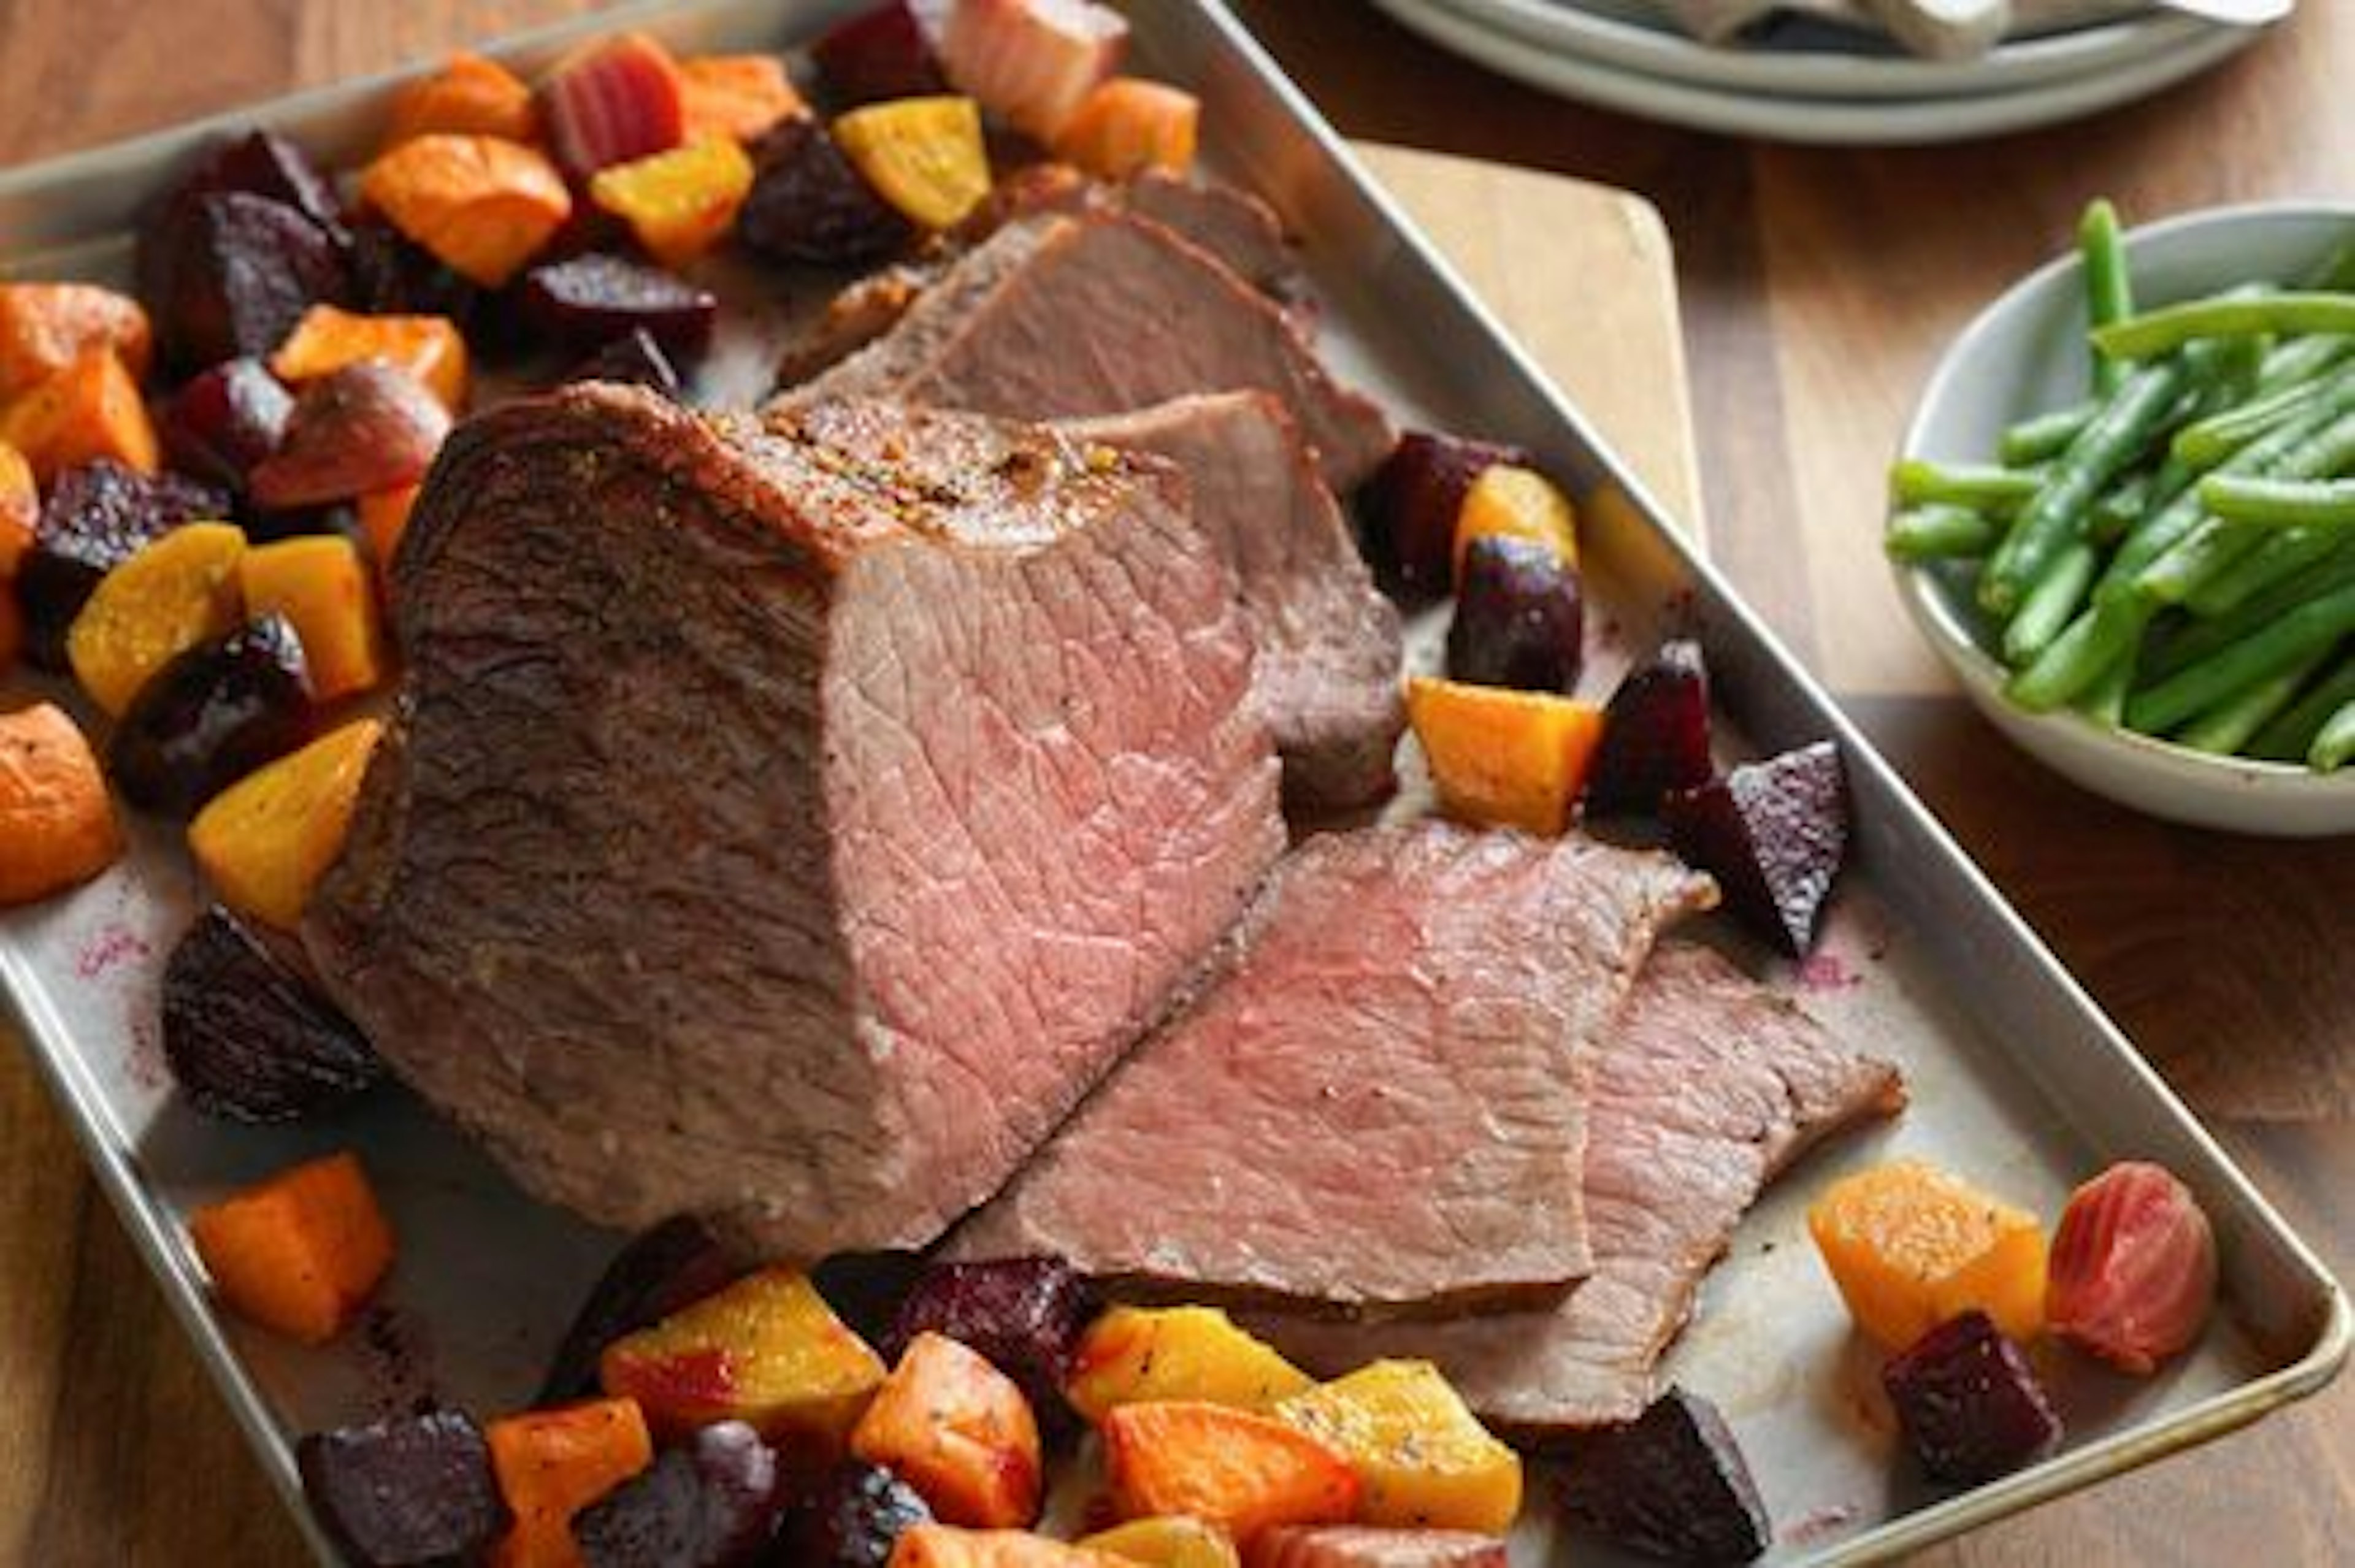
column 2019, row 1081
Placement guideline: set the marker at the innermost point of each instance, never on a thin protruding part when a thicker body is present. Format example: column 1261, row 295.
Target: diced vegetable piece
column 1968, row 1402
column 1024, row 1315
column 1774, row 835
column 1127, row 125
column 429, row 347
column 613, row 100
column 586, row 302
column 635, row 359
column 1910, row 1246
column 1357, row 1546
column 883, row 52
column 1134, row 1354
column 924, row 156
column 176, row 594
column 663, row 1269
column 367, row 427
column 46, row 327
column 809, row 204
column 226, row 274
column 852, row 1519
column 553, row 1464
column 677, row 203
column 248, row 1039
column 20, row 513
column 1655, row 734
column 1166, row 1540
column 384, row 518
column 945, row 1546
column 94, row 518
column 264, row 163
column 736, row 96
column 320, row 584
column 226, row 421
column 2133, row 1267
column 1514, row 759
column 713, row 1503
column 1033, row 62
column 394, row 275
column 265, row 841
column 1670, row 1484
column 1421, row 1455
column 298, row 1252
column 88, row 410
column 1410, row 504
column 471, row 96
column 57, row 821
column 405, row 1490
column 1520, row 617
column 1239, row 1470
column 767, row 1350
column 1512, row 501
column 481, row 205
column 12, row 631
column 959, row 1430
column 212, row 716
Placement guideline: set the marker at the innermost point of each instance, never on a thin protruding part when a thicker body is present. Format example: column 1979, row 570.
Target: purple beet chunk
column 808, row 203
column 1023, row 1315
column 865, row 1289
column 1969, row 1402
column 1774, row 834
column 1654, row 734
column 211, row 716
column 225, row 421
column 94, row 518
column 393, row 276
column 264, row 163
column 1520, row 619
column 661, row 1270
column 712, row 1504
column 852, row 1519
column 410, row 1490
column 250, row 1040
column 1670, row 1484
column 264, row 525
column 225, row 273
column 880, row 53
column 589, row 301
column 1407, row 511
column 636, row 360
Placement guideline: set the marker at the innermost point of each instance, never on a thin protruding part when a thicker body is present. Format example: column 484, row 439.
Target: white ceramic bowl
column 2026, row 352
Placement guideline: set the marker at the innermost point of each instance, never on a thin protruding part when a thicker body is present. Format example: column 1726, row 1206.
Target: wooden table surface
column 1817, row 287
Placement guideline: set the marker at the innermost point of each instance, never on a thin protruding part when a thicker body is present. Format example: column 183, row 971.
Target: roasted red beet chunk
column 1969, row 1402
column 212, row 716
column 412, row 1490
column 1520, row 619
column 1670, row 1484
column 877, row 54
column 1774, row 834
column 587, row 302
column 1408, row 507
column 392, row 276
column 264, row 163
column 248, row 1038
column 226, row 421
column 1022, row 1314
column 852, row 1520
column 807, row 204
column 660, row 1270
column 1654, row 734
column 93, row 519
column 224, row 274
column 711, row 1504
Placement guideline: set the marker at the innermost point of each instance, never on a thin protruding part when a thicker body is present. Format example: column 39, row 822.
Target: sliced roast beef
column 787, row 821
column 1329, row 642
column 1063, row 317
column 1706, row 1087
column 1379, row 1099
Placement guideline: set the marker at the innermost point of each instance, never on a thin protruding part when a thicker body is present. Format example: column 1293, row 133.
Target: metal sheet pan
column 2018, row 1079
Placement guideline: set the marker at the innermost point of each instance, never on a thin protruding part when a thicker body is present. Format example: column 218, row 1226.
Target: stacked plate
column 1811, row 82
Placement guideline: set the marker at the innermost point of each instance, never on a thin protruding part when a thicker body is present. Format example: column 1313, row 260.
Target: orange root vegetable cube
column 90, row 410
column 320, row 583
column 20, row 512
column 471, row 96
column 483, row 205
column 767, row 1351
column 946, row 1546
column 176, row 593
column 265, row 841
column 736, row 96
column 1518, row 503
column 1504, row 758
column 1128, row 125
column 430, row 347
column 384, row 518
column 551, row 1464
column 44, row 328
column 1166, row 1540
column 1424, row 1460
column 959, row 1430
column 1131, row 1354
column 57, row 821
column 613, row 100
column 1910, row 1246
column 299, row 1253
column 1234, row 1468
column 924, row 156
column 678, row 203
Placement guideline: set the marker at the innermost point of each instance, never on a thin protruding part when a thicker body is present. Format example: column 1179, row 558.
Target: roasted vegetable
column 264, row 163
column 1967, row 1401
column 587, row 302
column 1024, row 1315
column 1655, row 734
column 56, row 822
column 470, row 96
column 1671, row 1484
column 959, row 1430
column 405, row 1490
column 394, row 275
column 1234, row 1468
column 383, row 519
column 883, row 52
column 265, row 841
column 1409, row 506
column 299, row 1253
column 249, row 1040
column 174, row 593
column 617, row 99
column 945, row 1546
column 224, row 421
column 1166, row 1540
column 712, row 1503
column 1774, row 835
column 1031, row 62
column 1420, row 1454
column 20, row 513
column 663, row 1269
column 736, row 96
column 321, row 585
column 212, row 716
column 553, row 1464
column 1127, row 125
column 365, row 428
column 2132, row 1274
column 1520, row 617
column 924, row 156
column 1510, row 500
column 1357, row 1546
column 481, row 205
column 1910, row 1246
column 1133, row 1354
column 1503, row 758
column 809, row 204
column 677, row 203
column 852, row 1519
column 226, row 274
column 93, row 519
column 46, row 327
column 88, row 412
column 429, row 347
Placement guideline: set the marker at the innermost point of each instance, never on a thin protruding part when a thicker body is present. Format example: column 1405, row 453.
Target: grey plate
column 2019, row 1081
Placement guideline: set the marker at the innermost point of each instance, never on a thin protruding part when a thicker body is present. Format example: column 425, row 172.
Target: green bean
column 2109, row 287
column 1940, row 531
column 2302, row 359
column 2205, row 443
column 2158, row 332
column 2121, row 507
column 2281, row 557
column 2201, row 639
column 2042, row 437
column 1918, row 482
column 2088, row 647
column 2292, row 733
column 2336, row 743
column 2207, row 550
column 2050, row 603
column 2318, row 622
column 2224, row 729
column 2105, row 699
column 2279, row 503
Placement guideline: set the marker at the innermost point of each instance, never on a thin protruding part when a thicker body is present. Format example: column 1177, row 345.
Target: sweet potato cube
column 1910, row 1246
column 678, row 203
column 960, row 1432
column 319, row 583
column 1127, row 125
column 90, row 410
column 946, row 1546
column 1238, row 1469
column 1504, row 758
column 1166, row 1540
column 265, row 841
column 736, row 96
column 384, row 518
column 483, row 205
column 44, row 328
column 471, row 96
column 299, row 1253
column 20, row 512
column 176, row 593
column 1133, row 1353
column 924, row 156
column 57, row 821
column 1424, row 1460
column 1518, row 502
column 430, row 347
column 766, row 1350
column 551, row 1464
